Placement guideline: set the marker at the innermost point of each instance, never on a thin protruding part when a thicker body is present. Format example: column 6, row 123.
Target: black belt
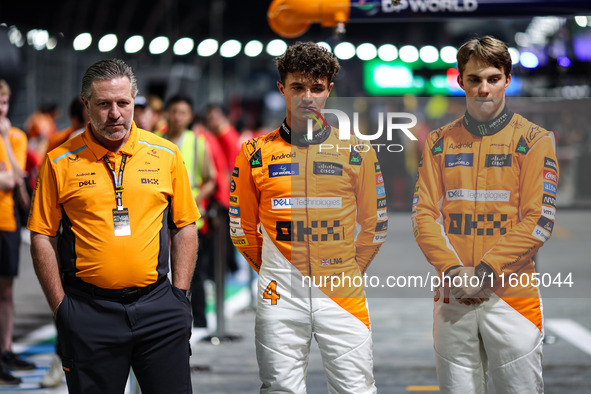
column 124, row 296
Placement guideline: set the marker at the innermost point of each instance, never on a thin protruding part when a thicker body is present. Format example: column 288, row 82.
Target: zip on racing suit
column 294, row 207
column 485, row 198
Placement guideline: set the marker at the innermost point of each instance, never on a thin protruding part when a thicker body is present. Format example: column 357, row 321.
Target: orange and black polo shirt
column 76, row 189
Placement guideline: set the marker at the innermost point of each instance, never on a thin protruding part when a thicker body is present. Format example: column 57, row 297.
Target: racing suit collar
column 490, row 127
column 301, row 139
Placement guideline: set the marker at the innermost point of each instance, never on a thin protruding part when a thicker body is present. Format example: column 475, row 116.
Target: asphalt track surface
column 401, row 322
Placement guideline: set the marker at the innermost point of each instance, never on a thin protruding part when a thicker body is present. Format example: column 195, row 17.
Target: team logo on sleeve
column 354, row 158
column 550, row 163
column 550, row 187
column 550, row 176
column 549, row 200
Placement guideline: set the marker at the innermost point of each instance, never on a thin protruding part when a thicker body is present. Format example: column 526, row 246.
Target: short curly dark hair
column 308, row 58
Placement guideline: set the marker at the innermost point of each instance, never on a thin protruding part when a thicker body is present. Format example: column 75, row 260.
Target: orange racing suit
column 485, row 197
column 306, row 198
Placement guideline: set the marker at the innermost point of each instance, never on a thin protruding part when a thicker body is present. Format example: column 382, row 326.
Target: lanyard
column 117, row 180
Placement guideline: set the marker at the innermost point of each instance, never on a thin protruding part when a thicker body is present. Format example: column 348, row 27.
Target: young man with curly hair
column 293, row 212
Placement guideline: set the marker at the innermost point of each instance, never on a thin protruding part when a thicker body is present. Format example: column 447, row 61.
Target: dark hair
column 308, row 58
column 105, row 70
column 179, row 98
column 488, row 50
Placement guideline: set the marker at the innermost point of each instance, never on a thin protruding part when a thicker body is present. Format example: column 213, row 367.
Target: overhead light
column 207, row 47
column 253, row 48
column 581, row 21
column 324, row 45
column 51, row 43
column 366, row 51
column 230, row 48
column 107, row 43
column 15, row 36
column 344, row 50
column 183, row 46
column 448, row 54
column 158, row 45
column 386, row 76
column 276, row 47
column 429, row 54
column 38, row 38
column 133, row 44
column 388, row 52
column 409, row 54
column 514, row 53
column 82, row 41
column 529, row 60
column 564, row 61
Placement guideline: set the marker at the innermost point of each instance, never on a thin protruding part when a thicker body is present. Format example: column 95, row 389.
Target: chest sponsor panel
column 285, row 169
column 498, row 160
column 478, row 195
column 327, row 168
column 306, row 202
column 459, row 160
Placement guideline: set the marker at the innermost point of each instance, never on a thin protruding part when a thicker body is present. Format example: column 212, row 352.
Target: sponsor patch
column 550, row 176
column 549, row 200
column 532, row 133
column 550, row 187
column 438, row 147
column 335, row 261
column 549, row 212
column 236, row 232
column 379, row 238
column 286, row 169
column 382, row 203
column 460, row 159
column 235, row 222
column 234, row 211
column 415, row 200
column 256, row 160
column 381, row 226
column 354, row 158
column 541, row 234
column 522, row 146
column 377, row 166
column 232, row 185
column 460, row 145
column 290, row 155
column 550, row 163
column 233, row 199
column 498, row 160
column 240, row 241
column 235, row 172
column 478, row 195
column 546, row 224
column 379, row 179
column 382, row 214
column 306, row 202
column 381, row 191
column 328, row 168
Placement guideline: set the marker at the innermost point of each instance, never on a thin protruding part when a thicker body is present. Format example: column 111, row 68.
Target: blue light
column 529, row 60
column 563, row 61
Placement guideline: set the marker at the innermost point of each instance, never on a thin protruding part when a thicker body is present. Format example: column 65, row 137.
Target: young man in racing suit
column 484, row 204
column 295, row 202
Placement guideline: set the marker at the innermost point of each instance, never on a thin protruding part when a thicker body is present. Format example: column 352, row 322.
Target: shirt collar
column 301, row 139
column 99, row 151
column 490, row 127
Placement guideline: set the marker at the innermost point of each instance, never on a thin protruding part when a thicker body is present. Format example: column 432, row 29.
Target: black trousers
column 99, row 340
